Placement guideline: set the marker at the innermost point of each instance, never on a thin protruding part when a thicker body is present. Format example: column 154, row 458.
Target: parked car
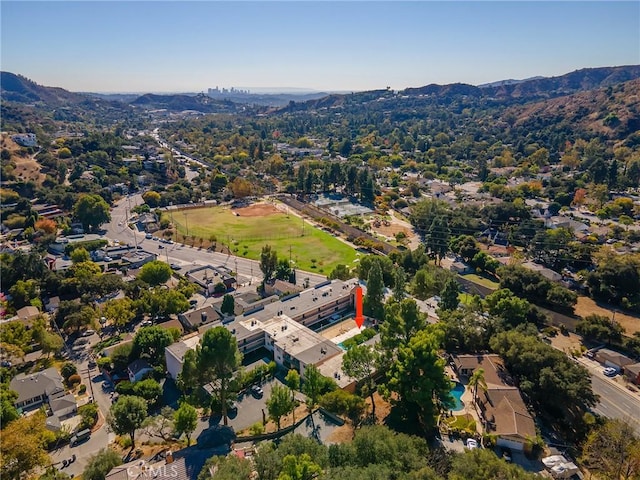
column 146, row 323
column 257, row 391
column 175, row 266
column 79, row 437
column 148, row 236
column 88, row 333
column 92, row 364
column 472, row 443
column 610, row 372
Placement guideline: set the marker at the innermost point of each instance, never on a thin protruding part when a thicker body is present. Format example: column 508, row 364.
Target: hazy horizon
column 189, row 47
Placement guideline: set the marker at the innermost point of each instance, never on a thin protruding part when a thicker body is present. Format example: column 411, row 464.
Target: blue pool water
column 456, row 393
column 341, row 346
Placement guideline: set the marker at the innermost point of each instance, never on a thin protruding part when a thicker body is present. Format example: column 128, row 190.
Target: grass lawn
column 246, row 235
column 487, row 282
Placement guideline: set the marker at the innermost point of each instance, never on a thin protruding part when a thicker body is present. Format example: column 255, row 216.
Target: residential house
column 25, row 139
column 194, row 319
column 184, row 464
column 46, row 388
column 148, row 222
column 138, row 369
column 609, row 358
column 64, row 407
column 137, row 258
column 501, row 408
column 52, row 304
column 544, row 271
column 280, row 287
column 632, row 372
column 207, row 277
column 460, row 267
column 37, row 388
column 26, row 315
column 173, row 323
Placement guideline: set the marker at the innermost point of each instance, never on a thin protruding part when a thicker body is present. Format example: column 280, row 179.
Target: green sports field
column 260, row 225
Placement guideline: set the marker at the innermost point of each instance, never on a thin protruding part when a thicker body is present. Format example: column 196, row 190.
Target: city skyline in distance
column 306, row 47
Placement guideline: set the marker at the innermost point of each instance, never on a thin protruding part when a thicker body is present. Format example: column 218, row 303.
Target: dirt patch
column 338, row 329
column 587, row 306
column 26, row 167
column 567, row 343
column 345, row 433
column 256, row 210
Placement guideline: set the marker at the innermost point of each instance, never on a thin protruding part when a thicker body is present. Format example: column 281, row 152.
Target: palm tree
column 477, row 380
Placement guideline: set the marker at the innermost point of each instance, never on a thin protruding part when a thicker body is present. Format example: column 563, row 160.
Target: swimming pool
column 456, row 393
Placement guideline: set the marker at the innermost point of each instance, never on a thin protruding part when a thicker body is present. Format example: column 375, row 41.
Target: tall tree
column 228, row 305
column 417, row 376
column 127, row 415
column 226, row 468
column 360, row 362
column 155, row 272
column 23, row 446
column 217, row 358
column 401, row 322
column 373, row 304
column 185, row 420
column 119, row 310
column 91, row 210
column 449, row 295
column 481, row 464
column 477, row 381
column 279, row 403
column 613, row 451
column 438, row 237
column 312, row 386
column 100, row 464
column 268, row 262
column 299, row 468
column 150, row 343
column 399, row 284
column 293, row 382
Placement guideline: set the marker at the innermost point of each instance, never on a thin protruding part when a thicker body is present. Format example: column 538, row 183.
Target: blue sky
column 149, row 46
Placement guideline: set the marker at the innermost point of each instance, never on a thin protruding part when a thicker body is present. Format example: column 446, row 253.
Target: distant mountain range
column 16, row 88
column 510, row 81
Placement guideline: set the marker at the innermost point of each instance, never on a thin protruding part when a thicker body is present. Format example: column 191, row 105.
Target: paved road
column 92, row 378
column 184, row 255
column 615, row 400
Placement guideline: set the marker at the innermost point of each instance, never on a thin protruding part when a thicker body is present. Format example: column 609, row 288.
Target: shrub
column 124, row 442
column 67, row 370
column 104, row 362
column 89, row 415
column 82, row 390
column 74, row 380
column 257, row 428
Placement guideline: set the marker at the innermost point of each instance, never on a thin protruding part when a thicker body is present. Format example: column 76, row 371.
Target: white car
column 471, row 443
column 88, row 333
column 610, row 372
